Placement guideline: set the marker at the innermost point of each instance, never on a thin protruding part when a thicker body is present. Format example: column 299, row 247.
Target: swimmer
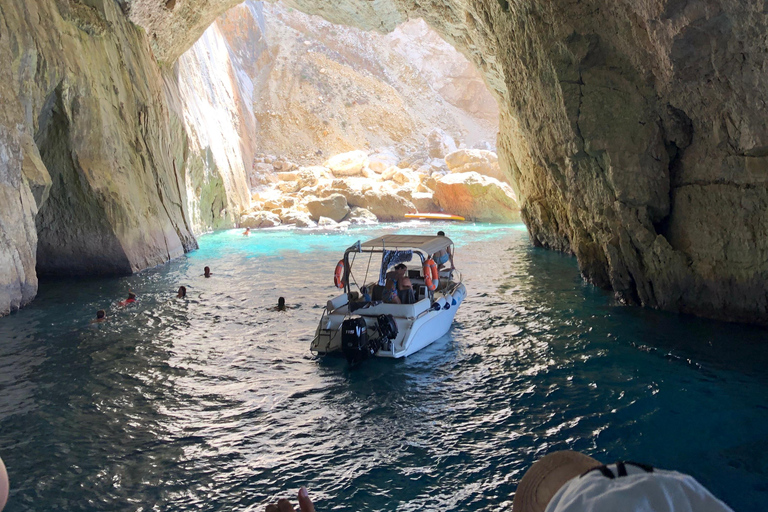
column 182, row 292
column 280, row 305
column 101, row 316
column 247, row 232
column 207, row 272
column 130, row 300
column 283, row 505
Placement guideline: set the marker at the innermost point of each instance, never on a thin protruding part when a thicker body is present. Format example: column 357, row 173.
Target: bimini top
column 422, row 243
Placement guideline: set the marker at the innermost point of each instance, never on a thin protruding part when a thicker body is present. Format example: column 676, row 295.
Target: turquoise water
column 214, row 403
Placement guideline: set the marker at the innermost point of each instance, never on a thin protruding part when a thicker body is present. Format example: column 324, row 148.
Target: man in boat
column 401, row 285
column 443, row 256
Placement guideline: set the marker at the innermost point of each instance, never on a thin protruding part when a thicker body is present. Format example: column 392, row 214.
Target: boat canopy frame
column 423, row 245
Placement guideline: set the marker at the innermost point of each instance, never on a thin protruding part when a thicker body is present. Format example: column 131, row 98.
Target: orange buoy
column 338, row 276
column 430, row 274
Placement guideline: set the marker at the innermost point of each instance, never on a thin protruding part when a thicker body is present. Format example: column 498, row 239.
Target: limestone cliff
column 104, row 193
column 634, row 132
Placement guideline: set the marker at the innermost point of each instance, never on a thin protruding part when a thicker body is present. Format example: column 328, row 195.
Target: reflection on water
column 215, row 403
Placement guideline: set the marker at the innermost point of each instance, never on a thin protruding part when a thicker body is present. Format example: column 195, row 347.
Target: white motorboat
column 359, row 324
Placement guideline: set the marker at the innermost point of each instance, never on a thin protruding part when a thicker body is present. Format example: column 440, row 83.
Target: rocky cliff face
column 634, row 132
column 91, row 156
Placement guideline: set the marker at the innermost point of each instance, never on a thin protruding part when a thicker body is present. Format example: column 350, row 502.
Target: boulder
column 361, row 216
column 476, row 197
column 283, row 165
column 334, row 207
column 309, row 176
column 386, row 205
column 475, row 160
column 439, row 143
column 379, row 162
column 405, row 176
column 347, row 164
column 387, row 174
column 260, row 220
column 298, row 219
column 326, row 222
column 424, row 202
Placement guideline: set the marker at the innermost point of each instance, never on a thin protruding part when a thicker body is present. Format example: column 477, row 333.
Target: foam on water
column 215, row 403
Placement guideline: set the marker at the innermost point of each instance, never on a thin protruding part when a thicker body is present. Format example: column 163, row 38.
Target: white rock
column 379, row 162
column 260, row 220
column 361, row 216
column 347, row 164
column 334, row 207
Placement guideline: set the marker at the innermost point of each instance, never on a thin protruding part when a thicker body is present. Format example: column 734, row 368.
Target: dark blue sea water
column 214, row 403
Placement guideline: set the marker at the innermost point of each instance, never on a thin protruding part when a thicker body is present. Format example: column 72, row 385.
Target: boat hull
column 419, row 325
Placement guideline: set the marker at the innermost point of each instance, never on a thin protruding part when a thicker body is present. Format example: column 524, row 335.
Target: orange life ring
column 338, row 276
column 430, row 274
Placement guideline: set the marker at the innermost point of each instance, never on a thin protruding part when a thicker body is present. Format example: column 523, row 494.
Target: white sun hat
column 569, row 481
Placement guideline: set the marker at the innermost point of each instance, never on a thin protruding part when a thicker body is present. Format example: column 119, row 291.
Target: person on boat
column 130, row 300
column 247, row 232
column 390, row 292
column 443, row 256
column 182, row 292
column 207, row 272
column 402, row 285
column 569, row 481
column 283, row 505
column 101, row 316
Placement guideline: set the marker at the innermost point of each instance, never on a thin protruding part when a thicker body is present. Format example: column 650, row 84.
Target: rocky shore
column 363, row 188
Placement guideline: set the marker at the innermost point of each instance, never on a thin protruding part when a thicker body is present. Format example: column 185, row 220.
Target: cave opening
column 73, row 235
column 283, row 91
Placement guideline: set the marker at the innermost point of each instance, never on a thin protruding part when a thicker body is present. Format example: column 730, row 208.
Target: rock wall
column 634, row 132
column 106, row 185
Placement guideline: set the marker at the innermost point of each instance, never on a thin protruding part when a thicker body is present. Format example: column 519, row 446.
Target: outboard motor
column 354, row 339
column 387, row 330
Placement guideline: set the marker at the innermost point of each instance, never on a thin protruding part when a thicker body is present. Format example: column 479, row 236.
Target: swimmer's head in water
column 131, row 295
column 281, row 303
column 101, row 313
column 207, row 271
column 182, row 292
column 441, row 233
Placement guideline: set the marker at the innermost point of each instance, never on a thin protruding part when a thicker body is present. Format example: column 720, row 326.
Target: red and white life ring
column 338, row 276
column 431, row 278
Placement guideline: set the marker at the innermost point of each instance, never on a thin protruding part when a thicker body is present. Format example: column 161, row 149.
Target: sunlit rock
column 261, row 219
column 333, row 207
column 361, row 216
column 476, row 197
column 298, row 219
column 379, row 162
column 347, row 164
column 386, row 205
column 475, row 160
